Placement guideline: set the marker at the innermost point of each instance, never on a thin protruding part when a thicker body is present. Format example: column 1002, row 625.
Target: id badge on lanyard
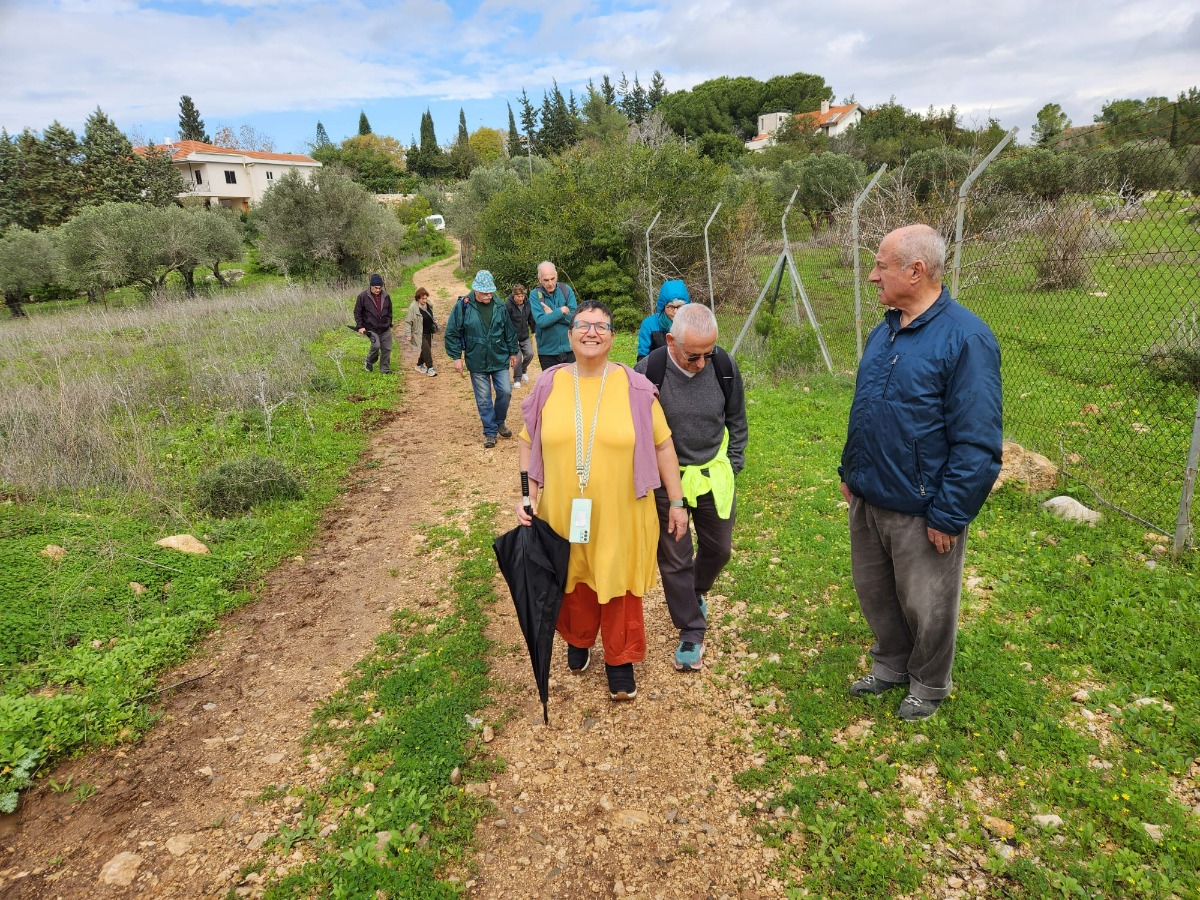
column 581, row 520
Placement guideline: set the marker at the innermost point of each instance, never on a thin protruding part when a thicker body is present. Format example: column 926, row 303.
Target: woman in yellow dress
column 596, row 444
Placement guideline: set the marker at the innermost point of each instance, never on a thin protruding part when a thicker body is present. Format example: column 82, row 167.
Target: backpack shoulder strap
column 723, row 366
column 656, row 366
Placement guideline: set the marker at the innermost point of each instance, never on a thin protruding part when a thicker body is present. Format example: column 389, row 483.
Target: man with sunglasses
column 701, row 393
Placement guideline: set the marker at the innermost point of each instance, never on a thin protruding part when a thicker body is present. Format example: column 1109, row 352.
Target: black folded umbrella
column 533, row 559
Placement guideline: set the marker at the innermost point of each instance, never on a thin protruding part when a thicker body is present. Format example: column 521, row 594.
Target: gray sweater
column 696, row 411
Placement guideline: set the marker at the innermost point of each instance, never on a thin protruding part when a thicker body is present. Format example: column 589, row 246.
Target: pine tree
column 364, row 127
column 412, row 159
column 658, row 89
column 51, row 184
column 529, row 120
column 11, row 181
column 607, row 91
column 161, row 184
column 633, row 99
column 322, row 139
column 514, row 137
column 191, row 126
column 109, row 170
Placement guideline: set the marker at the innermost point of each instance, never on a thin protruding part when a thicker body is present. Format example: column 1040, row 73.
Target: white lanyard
column 583, row 466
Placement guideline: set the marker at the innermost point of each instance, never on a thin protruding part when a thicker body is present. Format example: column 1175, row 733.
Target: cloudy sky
column 282, row 65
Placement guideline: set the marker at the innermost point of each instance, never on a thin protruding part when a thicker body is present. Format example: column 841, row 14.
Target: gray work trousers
column 381, row 349
column 909, row 595
column 686, row 572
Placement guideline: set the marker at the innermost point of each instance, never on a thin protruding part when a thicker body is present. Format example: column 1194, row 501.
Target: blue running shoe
column 689, row 657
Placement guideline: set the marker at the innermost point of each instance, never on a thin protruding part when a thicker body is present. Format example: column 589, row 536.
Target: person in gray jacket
column 701, row 393
column 521, row 313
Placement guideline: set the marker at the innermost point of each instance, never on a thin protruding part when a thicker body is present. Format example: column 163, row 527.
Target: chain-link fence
column 1085, row 262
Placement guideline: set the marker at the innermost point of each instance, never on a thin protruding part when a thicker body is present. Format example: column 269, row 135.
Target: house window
column 199, row 177
column 270, row 176
column 230, row 176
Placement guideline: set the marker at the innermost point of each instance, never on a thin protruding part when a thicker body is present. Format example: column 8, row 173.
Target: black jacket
column 521, row 315
column 370, row 317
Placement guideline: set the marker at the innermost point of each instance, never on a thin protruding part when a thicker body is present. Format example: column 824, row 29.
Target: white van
column 436, row 222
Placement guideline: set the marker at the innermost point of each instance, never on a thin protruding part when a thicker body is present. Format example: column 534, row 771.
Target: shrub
column 1177, row 358
column 240, row 484
column 1071, row 238
column 605, row 281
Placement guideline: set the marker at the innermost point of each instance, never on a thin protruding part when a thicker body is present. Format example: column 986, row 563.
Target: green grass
column 402, row 725
column 81, row 644
column 1061, row 607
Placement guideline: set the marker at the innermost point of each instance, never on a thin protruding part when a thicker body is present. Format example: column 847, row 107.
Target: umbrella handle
column 525, row 490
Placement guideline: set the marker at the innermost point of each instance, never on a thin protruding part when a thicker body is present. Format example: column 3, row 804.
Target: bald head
column 695, row 321
column 918, row 243
column 547, row 276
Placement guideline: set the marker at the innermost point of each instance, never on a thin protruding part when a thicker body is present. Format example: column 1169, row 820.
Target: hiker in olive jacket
column 481, row 333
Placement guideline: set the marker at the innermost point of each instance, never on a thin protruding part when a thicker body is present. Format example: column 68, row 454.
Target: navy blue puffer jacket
column 925, row 428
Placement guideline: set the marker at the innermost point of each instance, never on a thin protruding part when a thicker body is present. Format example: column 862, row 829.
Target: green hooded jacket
column 464, row 336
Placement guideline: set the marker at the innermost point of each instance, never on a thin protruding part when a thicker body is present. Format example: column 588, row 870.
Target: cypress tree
column 50, row 166
column 11, row 181
column 191, row 126
column 514, row 138
column 110, row 171
column 364, row 127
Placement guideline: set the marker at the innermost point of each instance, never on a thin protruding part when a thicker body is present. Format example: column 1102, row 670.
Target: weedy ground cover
column 864, row 805
column 398, row 729
column 108, row 420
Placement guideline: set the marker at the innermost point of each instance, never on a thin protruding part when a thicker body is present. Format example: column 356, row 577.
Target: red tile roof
column 820, row 119
column 183, row 149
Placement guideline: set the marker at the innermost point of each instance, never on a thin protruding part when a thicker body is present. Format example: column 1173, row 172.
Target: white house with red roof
column 235, row 179
column 832, row 120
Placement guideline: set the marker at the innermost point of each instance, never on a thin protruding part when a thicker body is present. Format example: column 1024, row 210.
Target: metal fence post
column 857, row 274
column 712, row 303
column 1183, row 523
column 649, row 268
column 956, row 267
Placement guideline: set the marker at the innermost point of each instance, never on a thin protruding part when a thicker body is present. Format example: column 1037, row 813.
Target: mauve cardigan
column 641, row 399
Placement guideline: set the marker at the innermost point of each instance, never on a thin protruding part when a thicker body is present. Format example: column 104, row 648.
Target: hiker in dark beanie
column 373, row 316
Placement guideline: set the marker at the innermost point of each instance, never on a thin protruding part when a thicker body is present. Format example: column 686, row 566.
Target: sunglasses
column 696, row 357
column 598, row 327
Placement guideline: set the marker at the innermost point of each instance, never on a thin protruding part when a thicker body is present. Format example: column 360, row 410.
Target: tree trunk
column 13, row 302
column 221, row 279
column 189, row 280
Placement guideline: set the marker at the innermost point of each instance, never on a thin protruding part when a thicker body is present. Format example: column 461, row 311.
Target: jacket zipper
column 916, row 451
column 891, row 371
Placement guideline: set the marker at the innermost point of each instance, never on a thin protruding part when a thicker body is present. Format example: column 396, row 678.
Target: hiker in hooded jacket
column 521, row 313
column 373, row 318
column 652, row 334
column 701, row 393
column 481, row 334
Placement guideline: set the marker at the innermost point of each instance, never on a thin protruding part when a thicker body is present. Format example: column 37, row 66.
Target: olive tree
column 28, row 261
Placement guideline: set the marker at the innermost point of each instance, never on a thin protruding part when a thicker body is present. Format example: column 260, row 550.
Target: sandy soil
column 611, row 800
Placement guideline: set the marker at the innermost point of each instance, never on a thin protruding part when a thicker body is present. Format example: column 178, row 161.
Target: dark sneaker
column 869, row 684
column 621, row 685
column 689, row 657
column 914, row 709
column 504, row 432
column 578, row 659
column 489, row 442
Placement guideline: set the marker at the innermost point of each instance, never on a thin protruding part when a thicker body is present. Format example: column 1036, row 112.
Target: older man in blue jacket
column 922, row 452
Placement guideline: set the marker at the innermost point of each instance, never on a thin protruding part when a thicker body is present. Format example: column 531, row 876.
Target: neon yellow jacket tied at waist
column 719, row 480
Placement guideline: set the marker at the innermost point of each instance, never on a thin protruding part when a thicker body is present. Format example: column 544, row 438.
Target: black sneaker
column 869, row 685
column 621, row 685
column 578, row 659
column 504, row 432
column 914, row 709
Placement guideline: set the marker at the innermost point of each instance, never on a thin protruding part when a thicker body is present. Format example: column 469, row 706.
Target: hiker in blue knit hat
column 481, row 333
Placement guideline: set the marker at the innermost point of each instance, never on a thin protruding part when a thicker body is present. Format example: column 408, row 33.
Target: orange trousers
column 619, row 621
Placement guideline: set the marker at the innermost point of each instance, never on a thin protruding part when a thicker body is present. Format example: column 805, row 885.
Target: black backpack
column 656, row 370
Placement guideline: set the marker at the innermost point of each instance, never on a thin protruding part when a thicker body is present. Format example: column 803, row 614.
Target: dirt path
column 611, row 800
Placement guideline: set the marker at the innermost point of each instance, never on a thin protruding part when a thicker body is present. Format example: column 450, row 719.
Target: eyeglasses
column 673, row 306
column 696, row 357
column 600, row 328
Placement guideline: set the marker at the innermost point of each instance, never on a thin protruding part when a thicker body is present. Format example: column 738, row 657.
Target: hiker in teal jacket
column 553, row 307
column 655, row 327
column 482, row 332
